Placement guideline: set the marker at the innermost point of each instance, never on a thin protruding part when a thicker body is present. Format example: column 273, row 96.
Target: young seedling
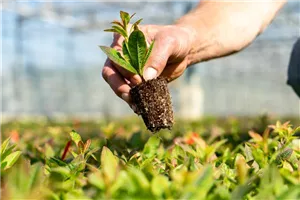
column 151, row 98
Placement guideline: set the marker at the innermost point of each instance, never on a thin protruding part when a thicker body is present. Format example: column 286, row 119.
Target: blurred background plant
column 198, row 160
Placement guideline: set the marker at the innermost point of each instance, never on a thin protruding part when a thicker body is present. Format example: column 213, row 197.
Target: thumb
column 162, row 50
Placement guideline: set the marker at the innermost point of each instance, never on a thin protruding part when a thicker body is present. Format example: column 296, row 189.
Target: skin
column 211, row 30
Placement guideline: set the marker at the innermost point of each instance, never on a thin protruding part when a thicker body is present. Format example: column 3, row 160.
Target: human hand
column 211, row 30
column 168, row 58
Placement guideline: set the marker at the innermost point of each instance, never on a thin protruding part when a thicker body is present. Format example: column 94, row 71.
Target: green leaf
column 87, row 145
column 139, row 178
column 116, row 57
column 271, row 183
column 7, row 151
column 81, row 146
column 125, row 51
column 147, row 162
column 74, row 154
column 117, row 23
column 241, row 190
column 135, row 27
column 132, row 16
column 179, row 154
column 137, row 49
column 90, row 153
column 117, row 29
column 123, row 182
column 248, row 153
column 75, row 137
column 34, row 176
column 79, row 163
column 56, row 162
column 135, row 24
column 110, row 30
column 159, row 185
column 109, row 164
column 292, row 193
column 201, row 186
column 49, row 152
column 151, row 146
column 10, row 160
column 148, row 53
column 96, row 180
column 284, row 155
column 59, row 174
column 120, row 30
column 4, row 146
column 125, row 18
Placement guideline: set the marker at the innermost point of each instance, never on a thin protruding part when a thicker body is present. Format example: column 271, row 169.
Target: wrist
column 191, row 37
column 201, row 37
column 189, row 31
column 218, row 29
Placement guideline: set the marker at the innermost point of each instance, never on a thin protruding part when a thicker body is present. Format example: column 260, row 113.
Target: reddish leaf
column 67, row 147
column 81, row 146
column 255, row 136
column 14, row 136
column 192, row 138
column 87, row 145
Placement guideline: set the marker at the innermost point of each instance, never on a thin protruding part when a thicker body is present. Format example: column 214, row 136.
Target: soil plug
column 151, row 98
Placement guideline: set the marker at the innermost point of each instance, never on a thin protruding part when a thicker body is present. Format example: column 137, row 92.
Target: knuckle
column 119, row 90
column 116, row 91
column 166, row 38
column 170, row 39
column 178, row 71
column 159, row 61
column 161, row 58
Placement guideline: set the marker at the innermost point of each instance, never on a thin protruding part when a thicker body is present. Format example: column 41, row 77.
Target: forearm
column 218, row 29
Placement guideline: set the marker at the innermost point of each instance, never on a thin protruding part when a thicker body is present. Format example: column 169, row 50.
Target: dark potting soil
column 153, row 102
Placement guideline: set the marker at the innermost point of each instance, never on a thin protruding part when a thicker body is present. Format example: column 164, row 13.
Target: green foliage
column 151, row 147
column 117, row 58
column 109, row 164
column 137, row 49
column 8, row 155
column 75, row 137
column 120, row 161
column 149, row 50
column 135, row 52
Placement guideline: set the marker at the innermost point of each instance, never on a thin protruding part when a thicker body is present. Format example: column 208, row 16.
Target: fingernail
column 125, row 97
column 150, row 73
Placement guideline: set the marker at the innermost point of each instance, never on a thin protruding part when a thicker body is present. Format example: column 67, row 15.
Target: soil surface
column 153, row 102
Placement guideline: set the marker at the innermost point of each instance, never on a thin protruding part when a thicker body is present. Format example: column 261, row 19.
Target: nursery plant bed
column 207, row 159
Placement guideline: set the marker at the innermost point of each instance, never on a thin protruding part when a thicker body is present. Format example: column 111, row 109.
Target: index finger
column 115, row 81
